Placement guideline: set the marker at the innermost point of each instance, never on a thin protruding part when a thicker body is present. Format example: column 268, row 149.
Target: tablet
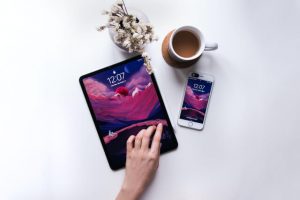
column 124, row 99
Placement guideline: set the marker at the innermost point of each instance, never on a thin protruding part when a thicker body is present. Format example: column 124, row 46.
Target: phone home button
column 190, row 124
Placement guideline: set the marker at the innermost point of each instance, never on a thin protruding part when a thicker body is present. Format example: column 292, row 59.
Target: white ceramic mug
column 204, row 46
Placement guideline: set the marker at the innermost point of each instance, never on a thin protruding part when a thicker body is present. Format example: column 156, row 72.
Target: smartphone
column 195, row 101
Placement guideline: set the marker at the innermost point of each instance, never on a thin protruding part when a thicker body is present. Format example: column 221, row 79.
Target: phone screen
column 196, row 99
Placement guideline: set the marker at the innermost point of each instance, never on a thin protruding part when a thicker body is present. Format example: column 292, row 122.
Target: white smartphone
column 195, row 101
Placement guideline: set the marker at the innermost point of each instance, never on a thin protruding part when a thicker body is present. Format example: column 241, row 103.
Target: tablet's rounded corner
column 81, row 79
column 115, row 167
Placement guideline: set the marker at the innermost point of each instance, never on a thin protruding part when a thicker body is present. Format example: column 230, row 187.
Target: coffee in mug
column 187, row 43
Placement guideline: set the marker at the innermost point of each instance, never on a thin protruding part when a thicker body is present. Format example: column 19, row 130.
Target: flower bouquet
column 130, row 32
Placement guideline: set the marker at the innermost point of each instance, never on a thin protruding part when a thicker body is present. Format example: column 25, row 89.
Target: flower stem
column 125, row 7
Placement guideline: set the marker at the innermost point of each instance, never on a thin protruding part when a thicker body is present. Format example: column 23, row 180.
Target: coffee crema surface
column 185, row 44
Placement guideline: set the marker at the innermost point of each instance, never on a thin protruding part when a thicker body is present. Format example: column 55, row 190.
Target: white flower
column 126, row 43
column 114, row 9
column 145, row 54
column 126, row 25
column 113, row 24
column 117, row 39
column 141, row 43
column 147, row 36
column 135, row 35
column 139, row 29
column 119, row 2
column 140, row 37
column 101, row 28
column 121, row 32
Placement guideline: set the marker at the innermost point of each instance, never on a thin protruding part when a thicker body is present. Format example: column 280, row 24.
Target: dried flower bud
column 104, row 12
column 101, row 28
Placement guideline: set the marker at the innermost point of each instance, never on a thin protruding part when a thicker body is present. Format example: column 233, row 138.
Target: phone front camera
column 195, row 75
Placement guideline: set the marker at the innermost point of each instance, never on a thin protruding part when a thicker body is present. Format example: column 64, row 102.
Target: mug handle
column 210, row 46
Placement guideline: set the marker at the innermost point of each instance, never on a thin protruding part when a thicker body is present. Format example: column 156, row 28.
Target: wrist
column 127, row 193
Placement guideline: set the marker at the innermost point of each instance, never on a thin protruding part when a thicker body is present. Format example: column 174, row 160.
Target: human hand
column 141, row 162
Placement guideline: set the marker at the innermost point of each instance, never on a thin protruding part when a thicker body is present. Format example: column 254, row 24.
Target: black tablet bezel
column 174, row 141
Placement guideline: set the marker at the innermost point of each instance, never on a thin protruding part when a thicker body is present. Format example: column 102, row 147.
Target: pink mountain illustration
column 196, row 101
column 133, row 101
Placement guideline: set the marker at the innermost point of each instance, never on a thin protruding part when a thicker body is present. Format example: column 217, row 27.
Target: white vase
column 140, row 16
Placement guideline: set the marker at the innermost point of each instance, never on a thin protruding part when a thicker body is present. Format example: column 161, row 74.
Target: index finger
column 155, row 147
column 129, row 143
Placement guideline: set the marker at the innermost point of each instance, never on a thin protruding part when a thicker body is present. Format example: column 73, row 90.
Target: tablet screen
column 124, row 99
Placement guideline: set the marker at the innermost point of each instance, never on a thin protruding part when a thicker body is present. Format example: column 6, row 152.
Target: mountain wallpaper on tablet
column 124, row 101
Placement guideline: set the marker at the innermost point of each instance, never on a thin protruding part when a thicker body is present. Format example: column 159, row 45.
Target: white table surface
column 249, row 149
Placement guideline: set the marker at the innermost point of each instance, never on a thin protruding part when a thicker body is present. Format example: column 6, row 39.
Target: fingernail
column 160, row 124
